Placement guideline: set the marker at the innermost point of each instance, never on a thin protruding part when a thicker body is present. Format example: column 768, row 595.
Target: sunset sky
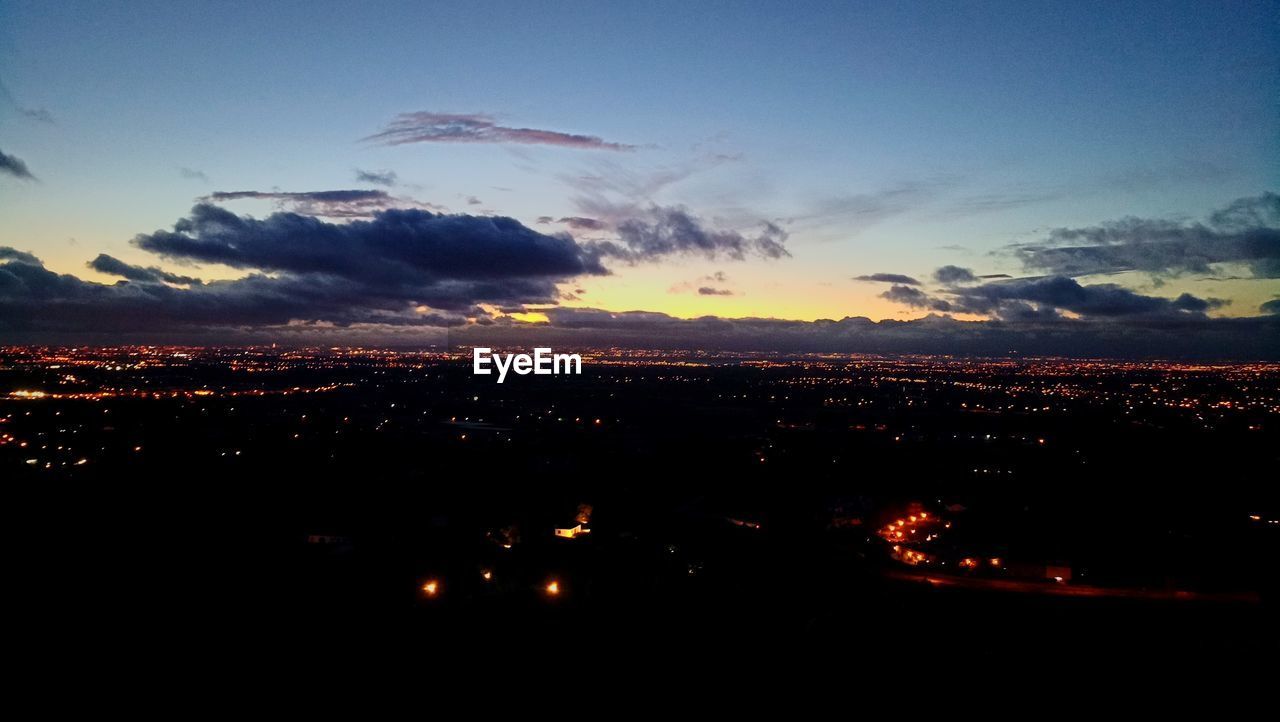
column 1069, row 167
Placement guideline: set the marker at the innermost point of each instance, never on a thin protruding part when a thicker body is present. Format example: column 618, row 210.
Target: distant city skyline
column 1092, row 179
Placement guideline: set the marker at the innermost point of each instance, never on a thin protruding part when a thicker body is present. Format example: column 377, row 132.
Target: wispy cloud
column 428, row 127
column 661, row 231
column 606, row 187
column 377, row 177
column 582, row 223
column 888, row 278
column 39, row 115
column 852, row 213
column 330, row 204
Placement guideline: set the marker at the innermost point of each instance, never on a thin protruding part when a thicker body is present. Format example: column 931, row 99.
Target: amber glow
column 530, row 317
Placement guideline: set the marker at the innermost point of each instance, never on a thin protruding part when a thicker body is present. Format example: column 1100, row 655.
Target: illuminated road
column 1066, row 590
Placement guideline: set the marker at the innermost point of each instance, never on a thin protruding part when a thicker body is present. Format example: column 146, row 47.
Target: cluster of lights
column 908, row 529
column 433, row 588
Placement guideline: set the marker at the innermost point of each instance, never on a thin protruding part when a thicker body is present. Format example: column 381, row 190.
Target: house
column 573, row 532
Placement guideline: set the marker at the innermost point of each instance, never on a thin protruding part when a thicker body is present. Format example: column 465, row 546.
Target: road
column 1021, row 586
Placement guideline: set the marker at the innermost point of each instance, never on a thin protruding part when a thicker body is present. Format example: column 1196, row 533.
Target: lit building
column 573, row 532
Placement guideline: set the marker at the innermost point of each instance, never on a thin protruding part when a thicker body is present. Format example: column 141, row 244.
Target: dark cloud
column 580, row 223
column 377, row 177
column 330, row 204
column 12, row 254
column 1060, row 292
column 1195, row 304
column 888, row 278
column 34, row 300
column 666, row 231
column 398, row 246
column 427, row 127
column 15, row 167
column 1246, row 231
column 193, row 174
column 915, row 298
column 953, row 275
column 115, row 267
column 402, row 268
column 473, row 201
column 1272, row 306
column 710, row 291
column 1041, row 297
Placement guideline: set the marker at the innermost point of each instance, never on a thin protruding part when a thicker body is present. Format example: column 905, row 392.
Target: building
column 573, row 532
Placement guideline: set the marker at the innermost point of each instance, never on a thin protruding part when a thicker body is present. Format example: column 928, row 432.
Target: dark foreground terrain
column 879, row 508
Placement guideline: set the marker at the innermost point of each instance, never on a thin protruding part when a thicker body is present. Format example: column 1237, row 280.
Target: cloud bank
column 1246, row 231
column 402, row 268
column 400, row 272
column 1193, row 337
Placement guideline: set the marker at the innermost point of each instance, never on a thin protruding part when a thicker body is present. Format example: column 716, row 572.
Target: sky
column 969, row 177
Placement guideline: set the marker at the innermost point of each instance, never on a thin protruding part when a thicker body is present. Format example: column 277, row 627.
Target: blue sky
column 881, row 137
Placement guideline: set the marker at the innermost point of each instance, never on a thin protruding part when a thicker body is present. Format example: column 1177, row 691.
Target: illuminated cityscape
column 1029, row 478
column 905, row 335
